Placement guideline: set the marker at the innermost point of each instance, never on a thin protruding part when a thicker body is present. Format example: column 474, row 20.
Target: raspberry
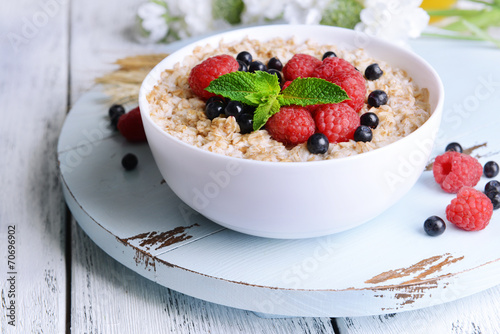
column 202, row 74
column 342, row 73
column 300, row 66
column 130, row 126
column 454, row 170
column 336, row 121
column 292, row 125
column 471, row 210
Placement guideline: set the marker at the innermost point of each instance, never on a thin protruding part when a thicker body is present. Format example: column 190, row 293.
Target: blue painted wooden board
column 387, row 265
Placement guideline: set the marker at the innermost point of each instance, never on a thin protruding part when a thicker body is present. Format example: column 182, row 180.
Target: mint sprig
column 262, row 90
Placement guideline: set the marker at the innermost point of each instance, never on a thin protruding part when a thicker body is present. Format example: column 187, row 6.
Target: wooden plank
column 33, row 91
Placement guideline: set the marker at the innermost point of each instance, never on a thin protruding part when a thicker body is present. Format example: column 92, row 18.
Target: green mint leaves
column 262, row 90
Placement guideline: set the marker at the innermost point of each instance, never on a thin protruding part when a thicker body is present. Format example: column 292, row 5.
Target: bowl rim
column 160, row 68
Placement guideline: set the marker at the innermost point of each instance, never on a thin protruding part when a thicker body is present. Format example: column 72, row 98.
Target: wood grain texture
column 107, row 297
column 33, row 93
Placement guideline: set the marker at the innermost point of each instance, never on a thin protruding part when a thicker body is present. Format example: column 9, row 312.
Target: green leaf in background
column 342, row 13
column 264, row 112
column 309, row 91
column 228, row 10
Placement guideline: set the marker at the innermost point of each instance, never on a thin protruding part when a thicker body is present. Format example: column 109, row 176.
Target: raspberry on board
column 202, row 74
column 471, row 210
column 300, row 66
column 453, row 170
column 292, row 125
column 130, row 126
column 337, row 122
column 342, row 73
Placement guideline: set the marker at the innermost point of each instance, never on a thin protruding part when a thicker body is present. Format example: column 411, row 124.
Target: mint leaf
column 264, row 112
column 248, row 88
column 309, row 91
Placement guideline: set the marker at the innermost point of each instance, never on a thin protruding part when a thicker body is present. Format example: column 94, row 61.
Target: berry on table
column 214, row 109
column 204, row 73
column 129, row 161
column 328, row 54
column 377, row 98
column 493, row 185
column 471, row 210
column 115, row 112
column 300, row 66
column 494, row 197
column 292, row 125
column 256, row 65
column 363, row 133
column 233, row 108
column 245, row 57
column 317, row 144
column 369, row 119
column 130, row 126
column 490, row 169
column 453, row 170
column 454, row 147
column 373, row 72
column 434, row 226
column 275, row 64
column 337, row 122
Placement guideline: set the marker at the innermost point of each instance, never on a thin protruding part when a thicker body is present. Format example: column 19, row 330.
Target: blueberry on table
column 490, row 169
column 277, row 73
column 129, row 161
column 275, row 64
column 328, row 54
column 363, row 133
column 373, row 72
column 257, row 66
column 494, row 197
column 492, row 186
column 454, row 147
column 434, row 226
column 245, row 57
column 369, row 119
column 214, row 109
column 318, row 143
column 377, row 98
column 116, row 109
column 233, row 108
column 245, row 121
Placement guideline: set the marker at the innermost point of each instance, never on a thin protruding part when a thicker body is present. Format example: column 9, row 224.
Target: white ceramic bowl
column 296, row 199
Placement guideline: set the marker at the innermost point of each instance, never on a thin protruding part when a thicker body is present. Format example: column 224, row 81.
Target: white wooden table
column 50, row 53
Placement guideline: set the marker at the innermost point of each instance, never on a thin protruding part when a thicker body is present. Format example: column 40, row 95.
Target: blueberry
column 129, row 161
column 373, row 72
column 256, row 66
column 434, row 226
column 494, row 197
column 214, row 109
column 275, row 64
column 245, row 121
column 243, row 66
column 363, row 133
column 215, row 98
column 116, row 109
column 369, row 119
column 317, row 143
column 328, row 54
column 454, row 147
column 492, row 185
column 490, row 169
column 377, row 98
column 248, row 109
column 245, row 57
column 114, row 121
column 277, row 73
column 233, row 108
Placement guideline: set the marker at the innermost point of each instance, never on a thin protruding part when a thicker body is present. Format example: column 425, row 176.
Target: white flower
column 152, row 21
column 260, row 11
column 304, row 11
column 393, row 20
